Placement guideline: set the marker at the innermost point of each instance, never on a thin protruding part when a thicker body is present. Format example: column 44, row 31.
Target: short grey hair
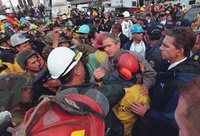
column 113, row 36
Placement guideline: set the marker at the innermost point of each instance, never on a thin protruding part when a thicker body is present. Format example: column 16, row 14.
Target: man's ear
column 45, row 85
column 17, row 48
column 119, row 45
column 180, row 51
column 76, row 71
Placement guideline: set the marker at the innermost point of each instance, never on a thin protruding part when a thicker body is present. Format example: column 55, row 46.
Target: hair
column 156, row 12
column 66, row 79
column 92, row 34
column 193, row 21
column 156, row 36
column 184, row 38
column 191, row 94
column 117, row 27
column 113, row 36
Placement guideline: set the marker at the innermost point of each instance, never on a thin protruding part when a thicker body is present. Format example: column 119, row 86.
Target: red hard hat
column 128, row 61
column 52, row 120
column 98, row 43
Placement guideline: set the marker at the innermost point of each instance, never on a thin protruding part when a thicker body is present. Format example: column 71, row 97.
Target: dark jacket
column 196, row 55
column 154, row 58
column 164, row 98
column 114, row 92
column 123, row 39
column 38, row 47
column 7, row 55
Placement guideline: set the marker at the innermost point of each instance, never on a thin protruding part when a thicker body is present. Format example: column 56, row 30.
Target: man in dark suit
column 117, row 28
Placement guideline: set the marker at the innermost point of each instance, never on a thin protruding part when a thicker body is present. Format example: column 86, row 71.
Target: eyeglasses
column 77, row 54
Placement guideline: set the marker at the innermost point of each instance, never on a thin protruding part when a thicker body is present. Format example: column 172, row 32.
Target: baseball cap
column 141, row 16
column 119, row 16
column 183, row 23
column 96, row 19
column 162, row 13
column 169, row 23
column 154, row 31
column 148, row 14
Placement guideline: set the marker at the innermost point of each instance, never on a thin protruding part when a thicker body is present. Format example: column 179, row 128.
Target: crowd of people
column 139, row 60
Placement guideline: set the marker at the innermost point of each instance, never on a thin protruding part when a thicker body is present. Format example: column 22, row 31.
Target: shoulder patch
column 152, row 63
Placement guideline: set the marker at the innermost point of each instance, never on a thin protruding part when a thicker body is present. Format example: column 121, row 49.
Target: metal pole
column 50, row 9
column 12, row 6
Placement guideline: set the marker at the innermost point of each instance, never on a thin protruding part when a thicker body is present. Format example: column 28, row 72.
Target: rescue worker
column 142, row 20
column 15, row 91
column 126, row 25
column 24, row 26
column 40, row 23
column 10, row 17
column 127, row 67
column 44, row 85
column 137, row 44
column 95, row 59
column 71, row 74
column 3, row 20
column 28, row 60
column 154, row 56
column 7, row 53
column 38, row 45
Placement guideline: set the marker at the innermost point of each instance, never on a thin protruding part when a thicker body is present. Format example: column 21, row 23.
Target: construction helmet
column 9, row 11
column 6, row 25
column 23, row 56
column 12, row 86
column 84, row 29
column 36, row 32
column 24, row 24
column 17, row 39
column 23, row 19
column 3, row 37
column 98, row 43
column 39, row 21
column 126, row 14
column 61, row 60
column 136, row 28
column 141, row 16
column 127, row 65
column 2, row 17
column 141, row 9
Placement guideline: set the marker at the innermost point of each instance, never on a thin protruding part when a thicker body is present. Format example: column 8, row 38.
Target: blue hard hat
column 6, row 25
column 47, row 20
column 23, row 19
column 85, row 29
column 136, row 28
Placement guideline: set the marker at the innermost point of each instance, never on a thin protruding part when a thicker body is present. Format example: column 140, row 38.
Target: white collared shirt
column 176, row 63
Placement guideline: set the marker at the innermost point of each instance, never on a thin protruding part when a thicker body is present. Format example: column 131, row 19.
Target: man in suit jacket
column 117, row 28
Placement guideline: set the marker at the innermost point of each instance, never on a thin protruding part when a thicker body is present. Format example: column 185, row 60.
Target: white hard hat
column 61, row 60
column 17, row 39
column 64, row 17
column 2, row 17
column 9, row 11
column 28, row 18
column 126, row 14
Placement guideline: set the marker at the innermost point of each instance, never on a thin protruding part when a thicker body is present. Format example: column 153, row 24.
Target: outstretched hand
column 139, row 109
